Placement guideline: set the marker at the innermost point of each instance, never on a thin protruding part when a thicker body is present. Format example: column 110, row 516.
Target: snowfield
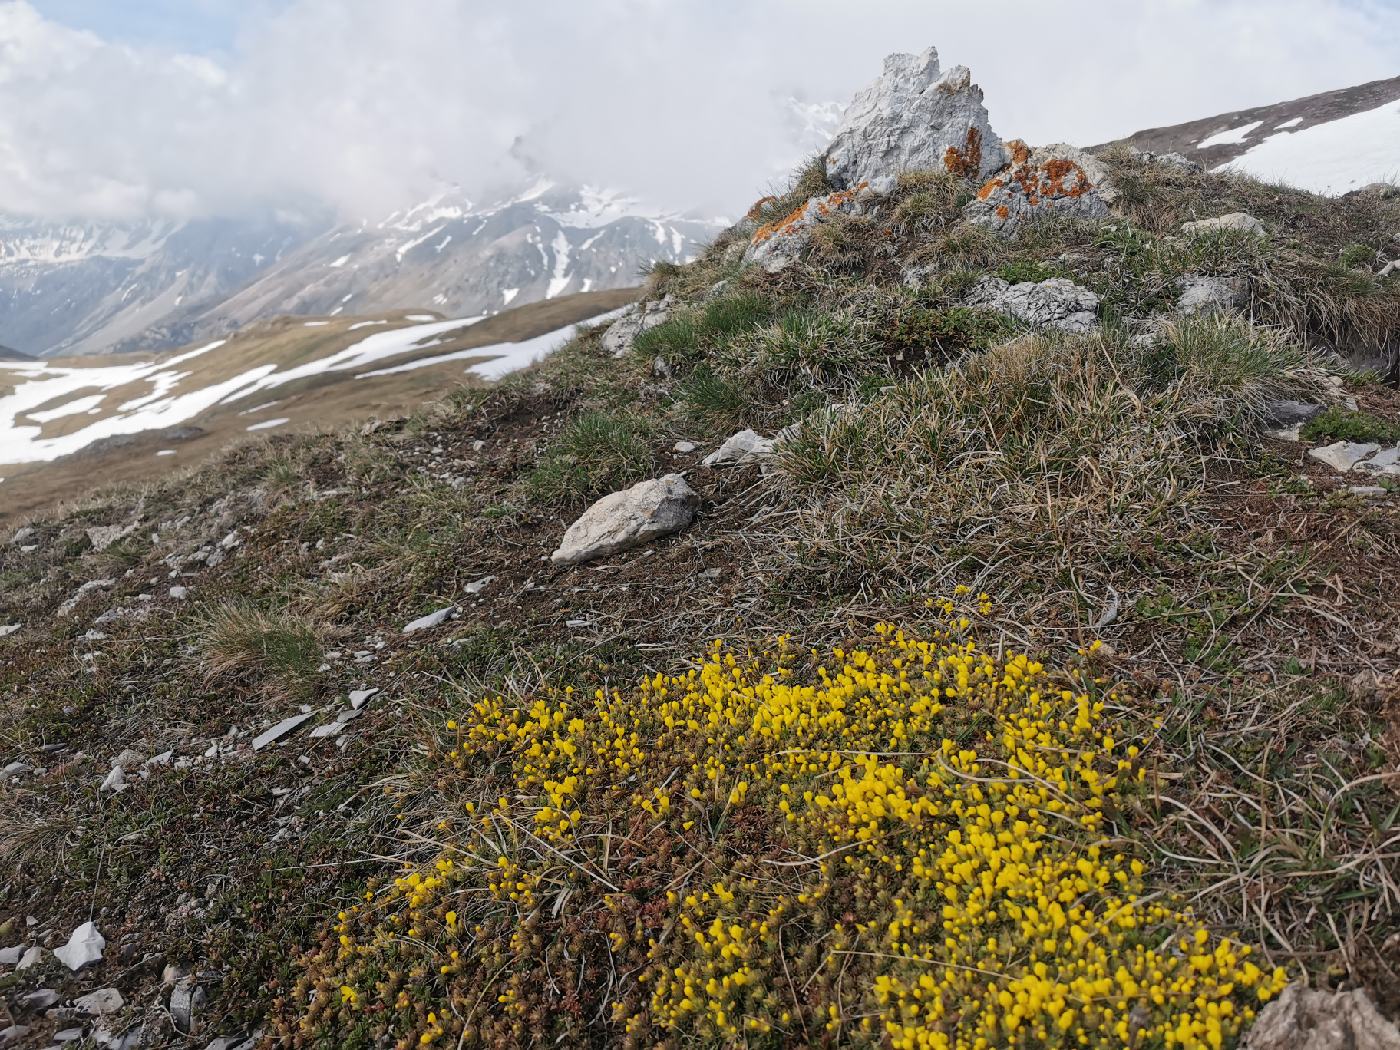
column 1332, row 158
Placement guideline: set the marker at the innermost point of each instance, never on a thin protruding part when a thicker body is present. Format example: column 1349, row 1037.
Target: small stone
column 13, row 1034
column 23, row 535
column 360, row 697
column 68, row 1035
column 1284, row 413
column 83, row 948
column 1235, row 222
column 627, row 519
column 277, row 732
column 747, row 446
column 11, row 956
column 427, row 623
column 179, row 593
column 128, row 759
column 1343, row 455
column 1207, row 295
column 162, row 759
column 6, row 631
column 100, row 1003
column 103, row 537
column 115, row 782
column 643, row 317
column 1387, row 461
column 35, row 956
column 684, row 448
column 1368, row 491
column 40, row 999
column 186, row 1000
column 82, row 592
column 479, row 585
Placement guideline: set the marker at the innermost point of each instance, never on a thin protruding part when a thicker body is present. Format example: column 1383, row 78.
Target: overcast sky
column 117, row 108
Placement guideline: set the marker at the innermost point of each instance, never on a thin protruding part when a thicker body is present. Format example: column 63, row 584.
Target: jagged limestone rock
column 628, row 519
column 1057, row 178
column 915, row 118
column 642, row 317
column 1312, row 1019
column 1235, row 222
column 1056, row 304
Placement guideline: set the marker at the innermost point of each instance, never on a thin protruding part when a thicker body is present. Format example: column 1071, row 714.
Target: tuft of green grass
column 1344, row 424
column 275, row 650
column 595, row 454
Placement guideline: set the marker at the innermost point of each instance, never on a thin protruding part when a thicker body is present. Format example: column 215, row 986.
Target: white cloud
column 370, row 104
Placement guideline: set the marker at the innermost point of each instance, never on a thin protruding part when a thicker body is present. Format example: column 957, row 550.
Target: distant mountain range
column 6, row 354
column 1331, row 143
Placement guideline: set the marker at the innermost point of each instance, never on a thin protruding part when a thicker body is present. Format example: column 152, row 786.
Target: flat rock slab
column 1056, row 304
column 628, row 519
column 1343, row 455
column 268, row 737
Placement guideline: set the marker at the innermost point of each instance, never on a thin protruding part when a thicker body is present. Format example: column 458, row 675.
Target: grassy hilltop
column 1031, row 693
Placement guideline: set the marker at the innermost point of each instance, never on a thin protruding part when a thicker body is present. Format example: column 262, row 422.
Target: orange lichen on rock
column 1003, row 212
column 823, row 206
column 1020, row 152
column 1057, row 178
column 991, row 187
column 965, row 163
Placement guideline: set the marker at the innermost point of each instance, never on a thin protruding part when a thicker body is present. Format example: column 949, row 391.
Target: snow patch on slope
column 1332, row 158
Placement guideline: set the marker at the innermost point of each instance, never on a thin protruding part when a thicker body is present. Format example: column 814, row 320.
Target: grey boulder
column 629, row 518
column 1056, row 304
column 1207, row 295
column 914, row 117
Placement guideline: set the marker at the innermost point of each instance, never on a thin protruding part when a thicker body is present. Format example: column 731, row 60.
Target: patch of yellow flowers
column 909, row 842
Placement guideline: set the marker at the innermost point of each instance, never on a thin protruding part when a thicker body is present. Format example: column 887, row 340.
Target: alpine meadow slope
column 958, row 609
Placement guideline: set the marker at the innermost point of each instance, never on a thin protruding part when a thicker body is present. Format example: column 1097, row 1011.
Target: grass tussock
column 272, row 650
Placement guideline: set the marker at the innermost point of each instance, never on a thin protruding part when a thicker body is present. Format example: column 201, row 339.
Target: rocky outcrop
column 628, row 519
column 1311, row 1019
column 915, row 118
column 1235, row 222
column 1056, row 304
column 642, row 317
column 1049, row 179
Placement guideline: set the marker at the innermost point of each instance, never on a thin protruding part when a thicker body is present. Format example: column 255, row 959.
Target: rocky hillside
column 1334, row 142
column 956, row 610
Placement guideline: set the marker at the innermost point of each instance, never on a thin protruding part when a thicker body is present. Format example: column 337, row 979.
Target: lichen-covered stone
column 1058, row 179
column 778, row 244
column 1057, row 304
column 915, row 117
column 1313, row 1019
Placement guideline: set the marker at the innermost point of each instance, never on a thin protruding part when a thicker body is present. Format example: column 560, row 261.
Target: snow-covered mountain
column 459, row 258
column 1330, row 143
column 69, row 288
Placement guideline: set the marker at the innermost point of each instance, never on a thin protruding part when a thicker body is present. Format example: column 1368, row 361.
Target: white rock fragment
column 1343, row 455
column 11, row 956
column 179, row 593
column 33, row 957
column 277, row 732
column 427, row 623
column 629, row 518
column 100, row 1003
column 360, row 697
column 82, row 592
column 5, row 632
column 1386, row 461
column 639, row 318
column 684, row 448
column 83, row 948
column 115, row 782
column 1315, row 1019
column 104, row 536
column 479, row 585
column 186, row 1000
column 747, row 446
column 1235, row 222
